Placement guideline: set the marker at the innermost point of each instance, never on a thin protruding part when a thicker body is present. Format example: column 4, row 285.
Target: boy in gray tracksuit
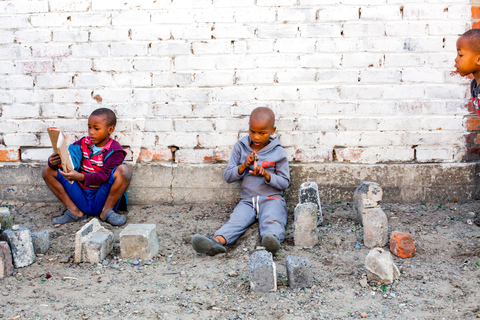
column 260, row 162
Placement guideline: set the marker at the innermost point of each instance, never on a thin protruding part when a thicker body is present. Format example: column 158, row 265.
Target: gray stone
column 299, row 272
column 6, row 220
column 20, row 242
column 305, row 225
column 139, row 241
column 84, row 234
column 367, row 195
column 308, row 193
column 380, row 266
column 375, row 228
column 97, row 246
column 6, row 263
column 40, row 242
column 262, row 272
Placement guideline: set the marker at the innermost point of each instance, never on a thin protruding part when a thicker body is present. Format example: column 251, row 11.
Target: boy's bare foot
column 67, row 217
column 207, row 245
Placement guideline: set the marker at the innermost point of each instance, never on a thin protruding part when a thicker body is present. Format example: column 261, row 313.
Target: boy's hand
column 55, row 159
column 260, row 171
column 250, row 160
column 72, row 175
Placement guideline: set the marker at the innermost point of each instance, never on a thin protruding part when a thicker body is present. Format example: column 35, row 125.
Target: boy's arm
column 100, row 177
column 231, row 173
column 280, row 179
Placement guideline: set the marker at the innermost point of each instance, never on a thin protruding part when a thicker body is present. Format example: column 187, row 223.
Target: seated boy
column 100, row 180
column 261, row 163
column 468, row 62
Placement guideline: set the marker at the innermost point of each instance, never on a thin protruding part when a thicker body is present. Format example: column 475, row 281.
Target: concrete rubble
column 92, row 243
column 401, row 244
column 6, row 263
column 380, row 266
column 262, row 272
column 6, row 220
column 40, row 241
column 367, row 195
column 305, row 225
column 375, row 228
column 299, row 272
column 139, row 241
column 20, row 242
column 308, row 193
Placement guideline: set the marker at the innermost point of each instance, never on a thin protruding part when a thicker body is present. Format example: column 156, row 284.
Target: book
column 59, row 144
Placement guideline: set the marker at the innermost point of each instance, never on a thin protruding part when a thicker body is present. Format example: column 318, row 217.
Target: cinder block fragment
column 139, row 241
column 401, row 244
column 375, row 228
column 84, row 234
column 305, row 225
column 6, row 264
column 299, row 272
column 308, row 193
column 380, row 266
column 367, row 195
column 40, row 242
column 6, row 221
column 97, row 246
column 262, row 272
column 20, row 242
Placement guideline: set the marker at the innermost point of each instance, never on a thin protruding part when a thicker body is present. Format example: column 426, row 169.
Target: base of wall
column 176, row 184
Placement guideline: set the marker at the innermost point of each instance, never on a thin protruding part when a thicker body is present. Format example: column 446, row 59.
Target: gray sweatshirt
column 272, row 157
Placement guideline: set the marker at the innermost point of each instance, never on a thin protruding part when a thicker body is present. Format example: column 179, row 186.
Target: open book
column 59, row 144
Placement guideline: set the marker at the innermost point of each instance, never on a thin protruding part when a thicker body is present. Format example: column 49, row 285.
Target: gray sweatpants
column 270, row 211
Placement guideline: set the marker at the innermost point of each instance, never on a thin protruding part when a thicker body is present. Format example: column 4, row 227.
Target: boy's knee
column 46, row 172
column 125, row 171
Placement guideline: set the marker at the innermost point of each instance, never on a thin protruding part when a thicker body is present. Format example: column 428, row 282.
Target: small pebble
column 363, row 314
column 15, row 227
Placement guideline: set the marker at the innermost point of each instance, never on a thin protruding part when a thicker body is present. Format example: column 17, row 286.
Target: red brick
column 9, row 155
column 475, row 12
column 476, row 25
column 401, row 244
column 155, row 155
column 348, row 155
column 472, row 154
column 223, row 154
column 472, row 123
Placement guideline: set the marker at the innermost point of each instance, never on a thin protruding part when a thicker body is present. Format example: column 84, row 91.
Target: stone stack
column 308, row 193
column 367, row 195
column 305, row 225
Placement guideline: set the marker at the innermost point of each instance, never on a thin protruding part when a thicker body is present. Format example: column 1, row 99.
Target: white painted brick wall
column 371, row 81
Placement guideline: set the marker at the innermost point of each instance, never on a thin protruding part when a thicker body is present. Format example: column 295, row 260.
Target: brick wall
column 350, row 81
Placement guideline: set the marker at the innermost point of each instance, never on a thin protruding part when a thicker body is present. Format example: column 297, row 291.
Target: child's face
column 260, row 131
column 98, row 130
column 467, row 60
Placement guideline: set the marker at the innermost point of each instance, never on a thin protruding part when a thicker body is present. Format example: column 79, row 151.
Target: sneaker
column 207, row 245
column 271, row 243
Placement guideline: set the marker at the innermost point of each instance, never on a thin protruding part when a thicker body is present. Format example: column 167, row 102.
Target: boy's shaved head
column 264, row 114
column 473, row 37
column 109, row 115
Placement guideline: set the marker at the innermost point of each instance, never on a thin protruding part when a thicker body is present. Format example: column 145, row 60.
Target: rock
column 98, row 247
column 6, row 263
column 401, row 244
column 6, row 220
column 367, row 195
column 375, row 228
column 20, row 242
column 364, row 282
column 299, row 272
column 308, row 193
column 41, row 242
column 262, row 272
column 139, row 241
column 380, row 266
column 305, row 225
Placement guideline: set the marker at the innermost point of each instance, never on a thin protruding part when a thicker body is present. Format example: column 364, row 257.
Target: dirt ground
column 442, row 281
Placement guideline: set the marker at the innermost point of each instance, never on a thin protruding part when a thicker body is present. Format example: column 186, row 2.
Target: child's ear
column 111, row 129
column 478, row 60
column 273, row 130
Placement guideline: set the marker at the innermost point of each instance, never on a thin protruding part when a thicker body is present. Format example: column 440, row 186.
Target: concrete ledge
column 189, row 183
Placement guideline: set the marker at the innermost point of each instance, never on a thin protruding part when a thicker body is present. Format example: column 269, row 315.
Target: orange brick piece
column 9, row 155
column 401, row 244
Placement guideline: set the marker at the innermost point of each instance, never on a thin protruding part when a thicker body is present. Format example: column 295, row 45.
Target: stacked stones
column 308, row 215
column 18, row 246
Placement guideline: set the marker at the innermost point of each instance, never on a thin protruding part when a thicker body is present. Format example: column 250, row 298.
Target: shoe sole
column 271, row 243
column 202, row 244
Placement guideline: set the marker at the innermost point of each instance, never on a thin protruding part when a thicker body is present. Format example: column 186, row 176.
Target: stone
column 299, row 272
column 375, row 228
column 262, row 272
column 6, row 220
column 401, row 244
column 96, row 247
column 6, row 263
column 20, row 242
column 84, row 234
column 305, row 225
column 139, row 241
column 308, row 193
column 380, row 266
column 40, row 241
column 367, row 195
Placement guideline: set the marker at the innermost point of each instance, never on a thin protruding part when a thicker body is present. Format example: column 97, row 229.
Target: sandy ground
column 442, row 281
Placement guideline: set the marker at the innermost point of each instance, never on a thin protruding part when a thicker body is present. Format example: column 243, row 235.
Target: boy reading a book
column 99, row 177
